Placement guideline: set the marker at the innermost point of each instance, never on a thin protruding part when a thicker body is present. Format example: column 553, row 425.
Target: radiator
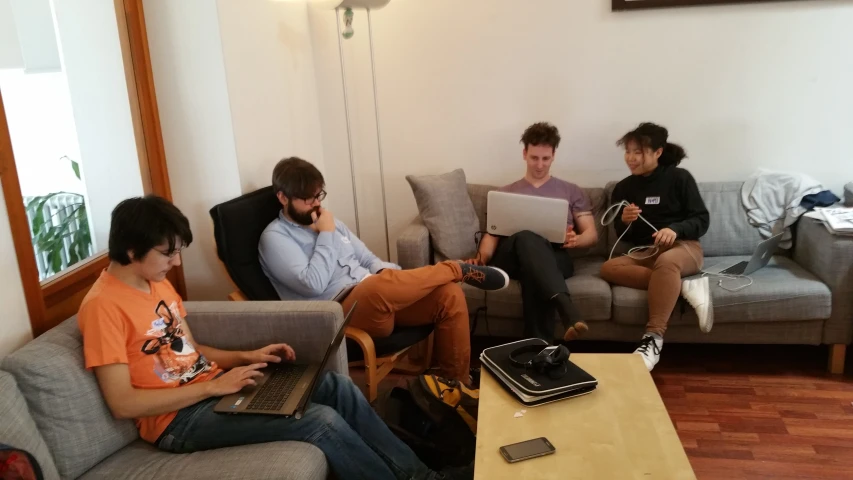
column 57, row 209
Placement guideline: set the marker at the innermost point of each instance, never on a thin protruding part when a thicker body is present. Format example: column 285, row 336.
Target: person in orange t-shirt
column 150, row 369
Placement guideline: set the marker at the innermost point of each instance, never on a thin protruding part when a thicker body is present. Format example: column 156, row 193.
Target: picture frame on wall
column 618, row 5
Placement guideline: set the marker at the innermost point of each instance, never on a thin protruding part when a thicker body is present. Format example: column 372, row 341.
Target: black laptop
column 531, row 388
column 285, row 389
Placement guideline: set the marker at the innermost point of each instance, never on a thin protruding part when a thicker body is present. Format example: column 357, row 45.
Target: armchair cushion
column 65, row 401
column 448, row 213
column 18, row 429
column 306, row 326
column 265, row 461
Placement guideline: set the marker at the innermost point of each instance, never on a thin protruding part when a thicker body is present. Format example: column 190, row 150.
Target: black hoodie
column 668, row 198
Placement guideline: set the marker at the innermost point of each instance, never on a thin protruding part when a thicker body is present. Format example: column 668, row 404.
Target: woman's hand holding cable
column 630, row 213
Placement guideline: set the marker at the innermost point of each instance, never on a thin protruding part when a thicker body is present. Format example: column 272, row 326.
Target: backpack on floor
column 18, row 464
column 430, row 392
column 433, row 430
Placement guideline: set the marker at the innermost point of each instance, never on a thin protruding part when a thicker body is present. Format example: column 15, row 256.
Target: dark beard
column 302, row 218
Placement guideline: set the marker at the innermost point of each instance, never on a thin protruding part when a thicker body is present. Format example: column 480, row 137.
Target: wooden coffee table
column 620, row 431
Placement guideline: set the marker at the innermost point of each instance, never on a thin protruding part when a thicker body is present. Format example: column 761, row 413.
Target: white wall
column 271, row 86
column 92, row 61
column 235, row 87
column 740, row 87
column 15, row 321
column 192, row 95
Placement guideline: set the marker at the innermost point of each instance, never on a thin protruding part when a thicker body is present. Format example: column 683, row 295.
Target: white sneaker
column 649, row 348
column 697, row 292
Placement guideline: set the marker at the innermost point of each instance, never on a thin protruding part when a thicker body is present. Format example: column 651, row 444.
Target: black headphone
column 550, row 360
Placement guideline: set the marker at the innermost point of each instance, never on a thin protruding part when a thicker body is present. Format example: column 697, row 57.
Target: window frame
column 58, row 297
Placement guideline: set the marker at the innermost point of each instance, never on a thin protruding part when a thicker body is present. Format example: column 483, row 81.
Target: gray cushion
column 65, row 401
column 729, row 232
column 447, row 211
column 590, row 293
column 18, row 429
column 781, row 292
column 266, row 461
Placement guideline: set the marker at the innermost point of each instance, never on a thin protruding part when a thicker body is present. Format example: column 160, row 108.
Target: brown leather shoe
column 576, row 331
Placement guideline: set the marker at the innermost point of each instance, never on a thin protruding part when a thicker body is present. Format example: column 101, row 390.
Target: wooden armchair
column 238, row 225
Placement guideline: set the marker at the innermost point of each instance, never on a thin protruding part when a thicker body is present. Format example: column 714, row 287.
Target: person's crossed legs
column 542, row 270
column 422, row 296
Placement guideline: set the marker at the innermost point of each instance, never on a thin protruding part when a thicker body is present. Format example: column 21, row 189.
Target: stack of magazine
column 838, row 220
column 532, row 388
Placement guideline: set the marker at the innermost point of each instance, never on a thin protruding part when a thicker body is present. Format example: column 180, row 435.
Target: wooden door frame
column 67, row 285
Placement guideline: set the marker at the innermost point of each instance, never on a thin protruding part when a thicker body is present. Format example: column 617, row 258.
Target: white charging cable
column 610, row 217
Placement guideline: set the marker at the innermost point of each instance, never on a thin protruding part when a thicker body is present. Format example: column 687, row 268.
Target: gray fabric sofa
column 50, row 404
column 802, row 297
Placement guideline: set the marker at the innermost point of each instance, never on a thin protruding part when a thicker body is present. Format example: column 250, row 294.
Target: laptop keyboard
column 736, row 269
column 276, row 390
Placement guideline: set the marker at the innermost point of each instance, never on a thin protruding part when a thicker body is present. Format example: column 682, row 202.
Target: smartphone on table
column 537, row 447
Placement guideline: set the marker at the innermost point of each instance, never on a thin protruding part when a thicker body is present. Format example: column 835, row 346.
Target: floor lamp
column 346, row 32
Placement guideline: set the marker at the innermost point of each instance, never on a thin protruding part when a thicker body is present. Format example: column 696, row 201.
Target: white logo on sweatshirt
column 652, row 200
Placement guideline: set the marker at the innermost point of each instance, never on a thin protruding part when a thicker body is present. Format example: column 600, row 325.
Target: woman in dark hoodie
column 665, row 196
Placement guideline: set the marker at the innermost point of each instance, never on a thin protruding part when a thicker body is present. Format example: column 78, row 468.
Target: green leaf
column 76, row 167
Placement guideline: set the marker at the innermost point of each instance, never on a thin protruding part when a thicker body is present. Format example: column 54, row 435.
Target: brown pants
column 418, row 297
column 661, row 275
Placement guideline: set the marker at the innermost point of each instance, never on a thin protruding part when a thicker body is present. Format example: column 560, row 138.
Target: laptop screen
column 303, row 404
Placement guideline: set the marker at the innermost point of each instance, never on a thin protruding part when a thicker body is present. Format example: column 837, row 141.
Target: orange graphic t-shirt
column 121, row 324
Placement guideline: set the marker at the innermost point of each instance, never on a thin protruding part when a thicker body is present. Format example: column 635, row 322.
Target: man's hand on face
column 324, row 222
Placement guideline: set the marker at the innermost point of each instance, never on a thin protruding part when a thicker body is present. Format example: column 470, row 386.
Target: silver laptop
column 510, row 213
column 763, row 253
column 285, row 389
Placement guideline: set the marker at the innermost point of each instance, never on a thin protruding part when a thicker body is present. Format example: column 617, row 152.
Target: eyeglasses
column 174, row 253
column 316, row 198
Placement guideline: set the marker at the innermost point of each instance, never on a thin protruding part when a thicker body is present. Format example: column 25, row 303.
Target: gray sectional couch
column 804, row 296
column 50, row 404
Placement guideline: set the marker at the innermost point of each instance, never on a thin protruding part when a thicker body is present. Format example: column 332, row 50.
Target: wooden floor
column 759, row 412
column 747, row 412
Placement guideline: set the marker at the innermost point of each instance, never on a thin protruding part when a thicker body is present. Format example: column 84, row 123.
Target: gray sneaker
column 484, row 278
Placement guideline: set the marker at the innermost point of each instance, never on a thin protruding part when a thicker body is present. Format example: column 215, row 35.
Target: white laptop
column 510, row 213
column 763, row 253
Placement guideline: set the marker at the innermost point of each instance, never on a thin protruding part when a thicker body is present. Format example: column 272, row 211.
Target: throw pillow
column 447, row 212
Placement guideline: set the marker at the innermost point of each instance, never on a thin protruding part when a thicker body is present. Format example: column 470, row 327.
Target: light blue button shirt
column 305, row 265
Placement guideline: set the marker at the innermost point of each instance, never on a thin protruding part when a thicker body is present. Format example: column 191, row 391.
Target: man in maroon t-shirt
column 540, row 266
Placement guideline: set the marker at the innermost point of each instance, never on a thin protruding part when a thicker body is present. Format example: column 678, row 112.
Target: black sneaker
column 475, row 378
column 484, row 278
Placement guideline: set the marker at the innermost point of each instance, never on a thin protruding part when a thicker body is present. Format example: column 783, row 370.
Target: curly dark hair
column 542, row 133
column 652, row 136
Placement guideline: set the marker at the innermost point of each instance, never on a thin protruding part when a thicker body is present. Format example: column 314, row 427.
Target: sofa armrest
column 308, row 327
column 830, row 258
column 413, row 246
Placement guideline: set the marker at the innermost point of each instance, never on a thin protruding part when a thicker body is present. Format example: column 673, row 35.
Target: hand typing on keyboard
column 275, row 353
column 234, row 380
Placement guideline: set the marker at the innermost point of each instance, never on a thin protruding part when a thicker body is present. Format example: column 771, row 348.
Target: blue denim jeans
column 339, row 421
